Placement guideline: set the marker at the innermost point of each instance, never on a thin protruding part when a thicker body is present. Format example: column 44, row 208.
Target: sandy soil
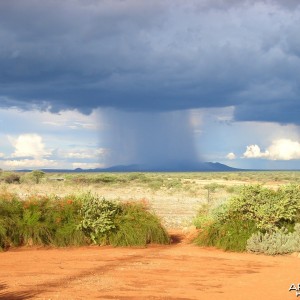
column 178, row 271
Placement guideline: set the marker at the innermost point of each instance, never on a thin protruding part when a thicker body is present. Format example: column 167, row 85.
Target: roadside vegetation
column 76, row 220
column 239, row 211
column 258, row 219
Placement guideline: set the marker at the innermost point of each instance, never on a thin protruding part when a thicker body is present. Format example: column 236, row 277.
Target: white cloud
column 253, row 151
column 30, row 163
column 2, row 154
column 29, row 145
column 231, row 156
column 282, row 149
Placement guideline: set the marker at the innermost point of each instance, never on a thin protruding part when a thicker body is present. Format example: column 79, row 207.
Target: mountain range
column 175, row 167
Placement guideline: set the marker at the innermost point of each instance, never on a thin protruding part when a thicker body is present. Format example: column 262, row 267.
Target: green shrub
column 173, row 184
column 155, row 184
column 37, row 175
column 210, row 213
column 106, row 179
column 267, row 216
column 218, row 230
column 129, row 224
column 39, row 221
column 212, row 187
column 67, row 218
column 138, row 177
column 62, row 217
column 98, row 218
column 3, row 238
column 11, row 212
column 32, row 230
column 231, row 235
column 204, row 216
column 267, row 207
column 279, row 242
column 233, row 189
column 137, row 227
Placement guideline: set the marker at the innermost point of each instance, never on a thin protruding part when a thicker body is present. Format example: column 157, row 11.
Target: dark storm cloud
column 152, row 55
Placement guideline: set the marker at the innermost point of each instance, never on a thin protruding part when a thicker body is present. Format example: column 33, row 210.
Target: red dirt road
column 179, row 271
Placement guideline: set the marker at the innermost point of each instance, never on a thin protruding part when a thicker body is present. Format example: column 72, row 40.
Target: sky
column 96, row 83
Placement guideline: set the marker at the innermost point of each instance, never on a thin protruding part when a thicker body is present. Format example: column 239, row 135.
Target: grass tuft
column 137, row 227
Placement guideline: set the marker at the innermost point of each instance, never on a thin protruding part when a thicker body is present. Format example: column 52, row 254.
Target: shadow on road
column 5, row 294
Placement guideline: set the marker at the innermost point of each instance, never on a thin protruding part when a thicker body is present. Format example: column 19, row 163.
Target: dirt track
column 179, row 271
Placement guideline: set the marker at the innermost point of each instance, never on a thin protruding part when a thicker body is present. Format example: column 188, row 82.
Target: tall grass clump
column 11, row 213
column 218, row 230
column 39, row 220
column 63, row 221
column 258, row 219
column 136, row 226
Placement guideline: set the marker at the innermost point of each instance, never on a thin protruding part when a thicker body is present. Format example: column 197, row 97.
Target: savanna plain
column 227, row 235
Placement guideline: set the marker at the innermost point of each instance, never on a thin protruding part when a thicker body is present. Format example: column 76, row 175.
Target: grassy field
column 138, row 185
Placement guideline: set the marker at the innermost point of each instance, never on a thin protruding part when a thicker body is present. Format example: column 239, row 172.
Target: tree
column 37, row 175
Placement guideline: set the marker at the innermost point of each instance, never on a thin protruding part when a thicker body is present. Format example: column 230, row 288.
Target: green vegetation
column 98, row 218
column 270, row 209
column 278, row 242
column 173, row 178
column 236, row 213
column 258, row 219
column 232, row 235
column 137, row 226
column 75, row 220
column 37, row 175
column 120, row 224
column 39, row 221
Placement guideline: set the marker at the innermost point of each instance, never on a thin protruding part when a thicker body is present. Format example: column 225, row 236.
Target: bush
column 119, row 224
column 11, row 212
column 98, row 218
column 278, row 242
column 218, row 230
column 212, row 187
column 231, row 235
column 258, row 214
column 137, row 227
column 210, row 213
column 63, row 222
column 39, row 221
column 37, row 175
column 12, row 178
column 268, row 208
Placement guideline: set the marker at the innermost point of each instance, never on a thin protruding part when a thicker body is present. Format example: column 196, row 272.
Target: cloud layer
column 283, row 149
column 152, row 55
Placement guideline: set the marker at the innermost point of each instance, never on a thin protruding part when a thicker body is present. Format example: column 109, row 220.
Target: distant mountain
column 179, row 167
column 174, row 167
